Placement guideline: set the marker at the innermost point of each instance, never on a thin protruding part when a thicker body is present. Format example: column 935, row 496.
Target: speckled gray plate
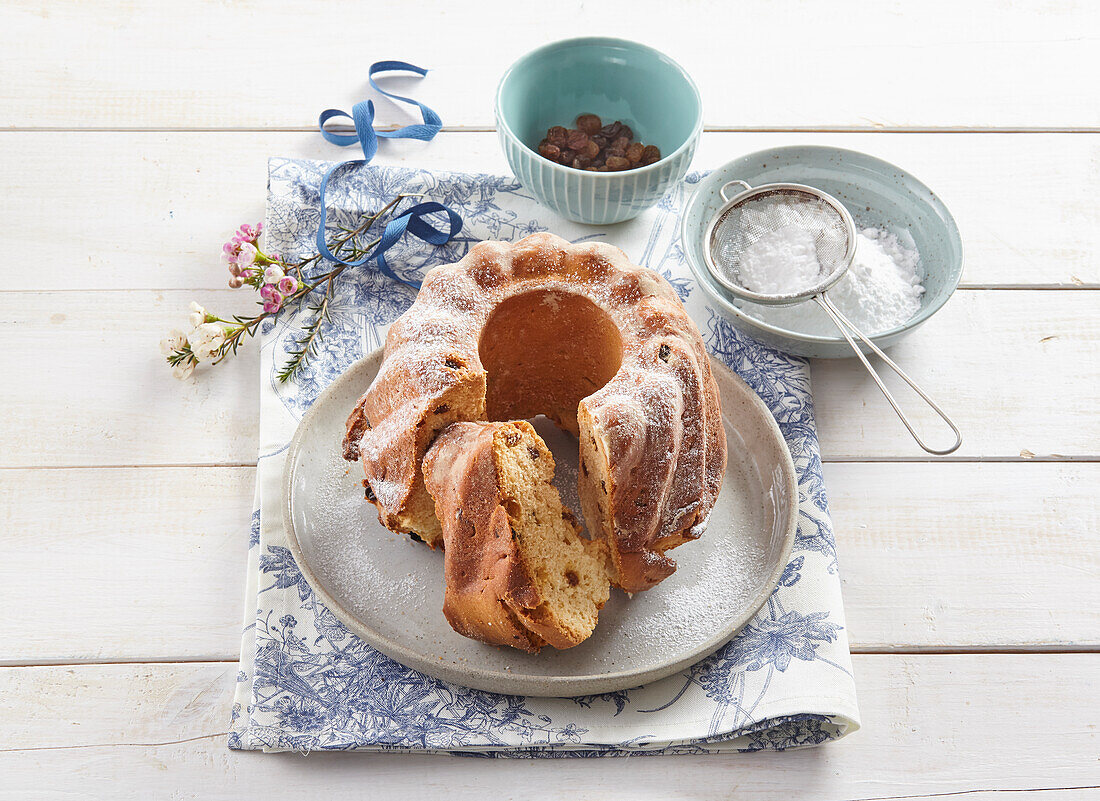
column 388, row 589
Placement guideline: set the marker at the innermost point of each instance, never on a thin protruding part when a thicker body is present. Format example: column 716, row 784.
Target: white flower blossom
column 205, row 341
column 198, row 315
column 273, row 274
column 246, row 256
column 183, row 370
column 175, row 341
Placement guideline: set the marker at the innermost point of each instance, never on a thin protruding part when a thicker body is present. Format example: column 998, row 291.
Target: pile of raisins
column 597, row 147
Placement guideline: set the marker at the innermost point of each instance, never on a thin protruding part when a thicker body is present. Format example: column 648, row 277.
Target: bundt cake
column 518, row 572
column 577, row 333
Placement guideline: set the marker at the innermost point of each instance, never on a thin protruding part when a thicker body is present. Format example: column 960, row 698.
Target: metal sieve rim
column 748, row 194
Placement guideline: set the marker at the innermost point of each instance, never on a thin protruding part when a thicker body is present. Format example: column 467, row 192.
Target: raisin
column 590, row 145
column 572, row 578
column 511, row 438
column 414, row 536
column 589, row 123
column 663, row 354
column 584, row 468
column 533, row 451
column 368, row 493
column 549, row 151
column 452, row 363
column 577, row 140
column 441, row 408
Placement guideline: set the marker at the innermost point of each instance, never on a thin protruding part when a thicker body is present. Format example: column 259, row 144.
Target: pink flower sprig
column 242, row 251
column 278, row 282
column 276, row 287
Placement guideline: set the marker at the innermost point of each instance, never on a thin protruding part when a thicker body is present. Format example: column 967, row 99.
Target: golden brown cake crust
column 484, row 575
column 517, row 570
column 576, row 332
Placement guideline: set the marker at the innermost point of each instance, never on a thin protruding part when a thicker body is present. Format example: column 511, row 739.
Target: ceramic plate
column 388, row 589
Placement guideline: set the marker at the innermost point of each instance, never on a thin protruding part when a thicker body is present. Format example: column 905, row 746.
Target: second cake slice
column 517, row 570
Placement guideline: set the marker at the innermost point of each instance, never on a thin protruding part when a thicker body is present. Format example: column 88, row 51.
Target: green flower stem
column 239, row 327
column 350, row 235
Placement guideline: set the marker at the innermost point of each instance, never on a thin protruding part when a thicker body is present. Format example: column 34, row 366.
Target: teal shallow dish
column 876, row 193
column 617, row 80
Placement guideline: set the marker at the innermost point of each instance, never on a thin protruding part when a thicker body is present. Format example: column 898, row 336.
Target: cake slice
column 518, row 572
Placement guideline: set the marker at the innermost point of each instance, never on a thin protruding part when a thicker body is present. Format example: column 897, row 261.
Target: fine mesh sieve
column 752, row 217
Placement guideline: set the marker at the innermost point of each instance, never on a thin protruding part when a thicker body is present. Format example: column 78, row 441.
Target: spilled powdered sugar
column 343, row 542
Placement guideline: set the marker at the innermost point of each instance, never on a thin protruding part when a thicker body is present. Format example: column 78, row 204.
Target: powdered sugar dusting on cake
column 640, row 411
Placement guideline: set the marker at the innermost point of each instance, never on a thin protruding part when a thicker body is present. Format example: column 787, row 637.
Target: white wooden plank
column 968, row 555
column 125, row 564
column 1022, row 201
column 1019, row 370
column 148, row 564
column 870, row 64
column 933, row 726
column 87, row 384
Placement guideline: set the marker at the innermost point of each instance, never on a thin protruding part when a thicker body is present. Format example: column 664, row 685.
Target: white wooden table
column 133, row 138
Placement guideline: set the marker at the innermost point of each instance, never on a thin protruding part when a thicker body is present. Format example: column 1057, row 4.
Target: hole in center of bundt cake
column 544, row 351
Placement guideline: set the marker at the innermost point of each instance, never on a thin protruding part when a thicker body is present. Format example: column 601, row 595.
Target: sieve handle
column 845, row 326
column 744, row 188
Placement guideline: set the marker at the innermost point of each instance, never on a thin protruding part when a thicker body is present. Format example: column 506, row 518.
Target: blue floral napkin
column 306, row 683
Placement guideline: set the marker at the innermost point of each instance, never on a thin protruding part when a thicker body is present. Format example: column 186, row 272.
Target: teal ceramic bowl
column 617, row 80
column 877, row 194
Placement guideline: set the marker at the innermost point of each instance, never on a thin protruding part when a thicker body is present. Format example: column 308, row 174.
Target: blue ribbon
column 409, row 221
column 362, row 115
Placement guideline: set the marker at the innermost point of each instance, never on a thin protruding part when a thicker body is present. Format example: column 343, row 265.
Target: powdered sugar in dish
column 782, row 263
column 881, row 289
